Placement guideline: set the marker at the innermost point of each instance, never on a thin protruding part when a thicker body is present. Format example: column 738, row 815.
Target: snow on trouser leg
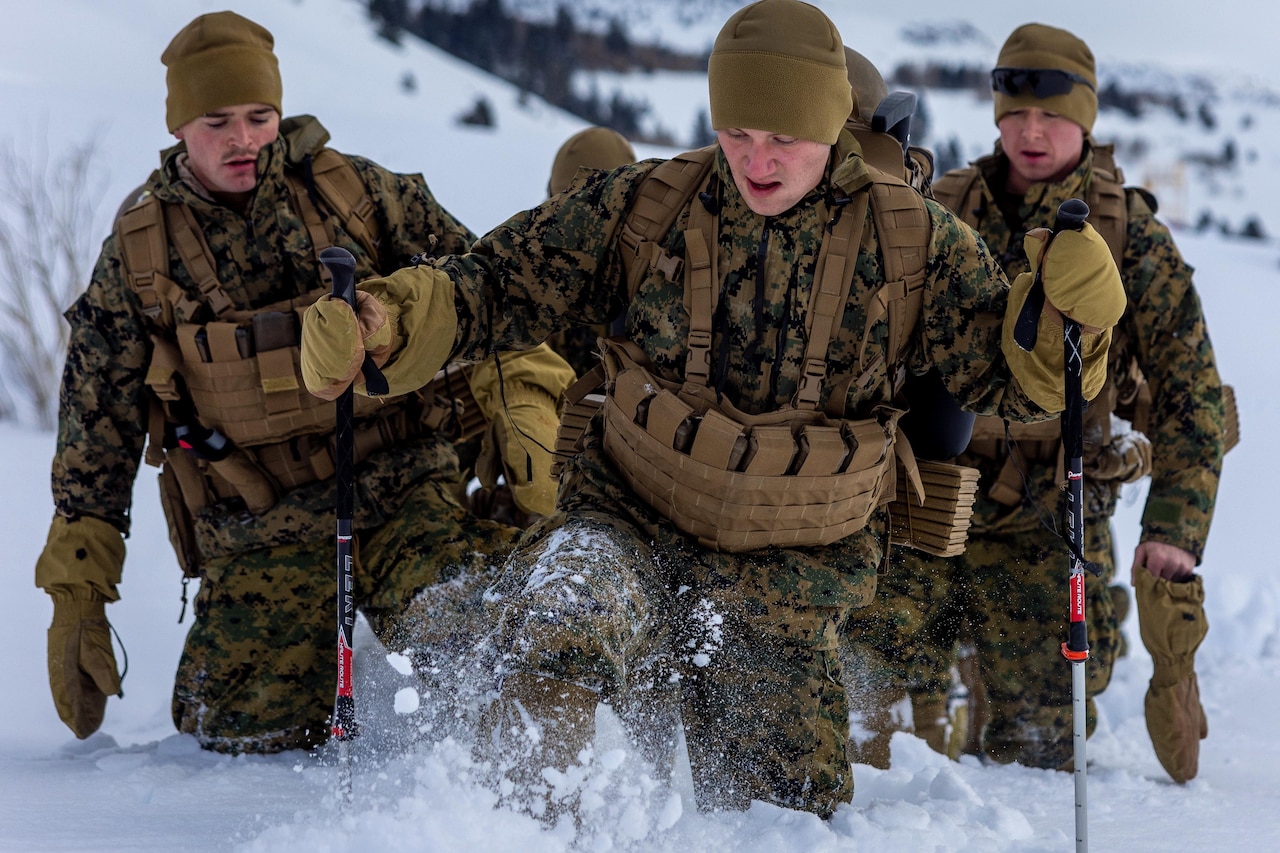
column 1172, row 622
column 765, row 715
column 538, row 724
column 574, row 619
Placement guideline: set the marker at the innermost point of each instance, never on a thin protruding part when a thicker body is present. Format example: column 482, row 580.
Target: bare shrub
column 48, row 211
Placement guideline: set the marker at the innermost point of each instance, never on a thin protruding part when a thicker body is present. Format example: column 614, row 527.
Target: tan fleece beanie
column 869, row 88
column 1038, row 46
column 593, row 148
column 219, row 60
column 778, row 66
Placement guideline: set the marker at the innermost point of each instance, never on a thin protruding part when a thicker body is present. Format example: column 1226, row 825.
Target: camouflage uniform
column 257, row 672
column 609, row 595
column 1010, row 586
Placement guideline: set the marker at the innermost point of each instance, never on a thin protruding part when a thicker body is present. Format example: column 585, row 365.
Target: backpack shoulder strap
column 330, row 178
column 145, row 232
column 662, row 195
column 144, row 251
column 832, row 281
column 903, row 229
column 957, row 190
column 1108, row 202
column 340, row 186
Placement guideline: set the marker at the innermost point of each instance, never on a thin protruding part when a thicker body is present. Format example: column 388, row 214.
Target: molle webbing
column 1108, row 203
column 450, row 405
column 961, row 191
column 734, row 482
column 148, row 228
column 145, row 232
column 1231, row 435
column 240, row 374
column 259, row 474
column 798, row 476
column 583, row 400
column 344, row 193
column 737, row 482
column 902, row 227
column 663, row 194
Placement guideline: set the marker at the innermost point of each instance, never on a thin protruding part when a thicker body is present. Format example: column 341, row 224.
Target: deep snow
column 137, row 786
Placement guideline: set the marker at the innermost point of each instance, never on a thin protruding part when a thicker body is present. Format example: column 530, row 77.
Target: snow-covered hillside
column 73, row 70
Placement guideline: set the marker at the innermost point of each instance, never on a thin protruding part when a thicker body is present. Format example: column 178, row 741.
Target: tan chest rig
column 794, row 477
column 240, row 376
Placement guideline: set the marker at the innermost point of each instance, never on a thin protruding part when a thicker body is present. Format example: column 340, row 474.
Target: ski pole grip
column 1071, row 216
column 342, row 269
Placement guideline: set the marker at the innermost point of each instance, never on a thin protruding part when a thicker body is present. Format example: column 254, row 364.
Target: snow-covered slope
column 72, row 70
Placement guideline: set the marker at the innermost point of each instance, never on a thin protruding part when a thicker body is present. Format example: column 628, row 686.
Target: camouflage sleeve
column 102, row 402
column 546, row 269
column 410, row 215
column 962, row 318
column 1176, row 356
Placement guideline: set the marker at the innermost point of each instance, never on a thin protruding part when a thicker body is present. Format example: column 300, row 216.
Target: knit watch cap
column 593, row 148
column 219, row 60
column 778, row 66
column 869, row 88
column 1038, row 46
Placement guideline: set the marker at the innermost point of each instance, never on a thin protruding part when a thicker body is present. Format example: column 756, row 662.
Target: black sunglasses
column 1043, row 82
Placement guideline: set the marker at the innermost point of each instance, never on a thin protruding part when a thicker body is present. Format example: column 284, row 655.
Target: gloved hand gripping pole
column 341, row 266
column 1071, row 217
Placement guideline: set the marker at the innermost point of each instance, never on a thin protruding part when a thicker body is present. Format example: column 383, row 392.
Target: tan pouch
column 822, row 450
column 719, row 442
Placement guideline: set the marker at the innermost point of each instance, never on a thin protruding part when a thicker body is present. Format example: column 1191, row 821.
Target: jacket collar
column 299, row 137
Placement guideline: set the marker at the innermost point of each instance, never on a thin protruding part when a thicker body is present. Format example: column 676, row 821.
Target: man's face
column 223, row 145
column 1042, row 147
column 772, row 171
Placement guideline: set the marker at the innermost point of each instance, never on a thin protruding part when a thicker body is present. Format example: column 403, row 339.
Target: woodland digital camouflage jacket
column 262, row 256
column 1163, row 328
column 559, row 265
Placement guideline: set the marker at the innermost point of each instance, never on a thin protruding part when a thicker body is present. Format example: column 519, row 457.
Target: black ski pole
column 1071, row 217
column 341, row 266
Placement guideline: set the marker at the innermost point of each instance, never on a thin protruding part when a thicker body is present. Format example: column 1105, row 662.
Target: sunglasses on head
column 1043, row 82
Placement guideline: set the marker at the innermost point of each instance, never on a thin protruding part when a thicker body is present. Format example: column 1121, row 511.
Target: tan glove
column 79, row 568
column 1080, row 276
column 82, row 665
column 525, row 432
column 524, row 416
column 1126, row 459
column 1081, row 280
column 423, row 323
column 335, row 340
column 1171, row 620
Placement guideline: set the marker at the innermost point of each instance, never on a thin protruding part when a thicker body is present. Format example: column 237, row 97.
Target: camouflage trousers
column 258, row 670
column 1008, row 596
column 740, row 648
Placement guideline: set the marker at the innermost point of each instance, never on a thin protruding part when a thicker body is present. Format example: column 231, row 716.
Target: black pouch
column 275, row 330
